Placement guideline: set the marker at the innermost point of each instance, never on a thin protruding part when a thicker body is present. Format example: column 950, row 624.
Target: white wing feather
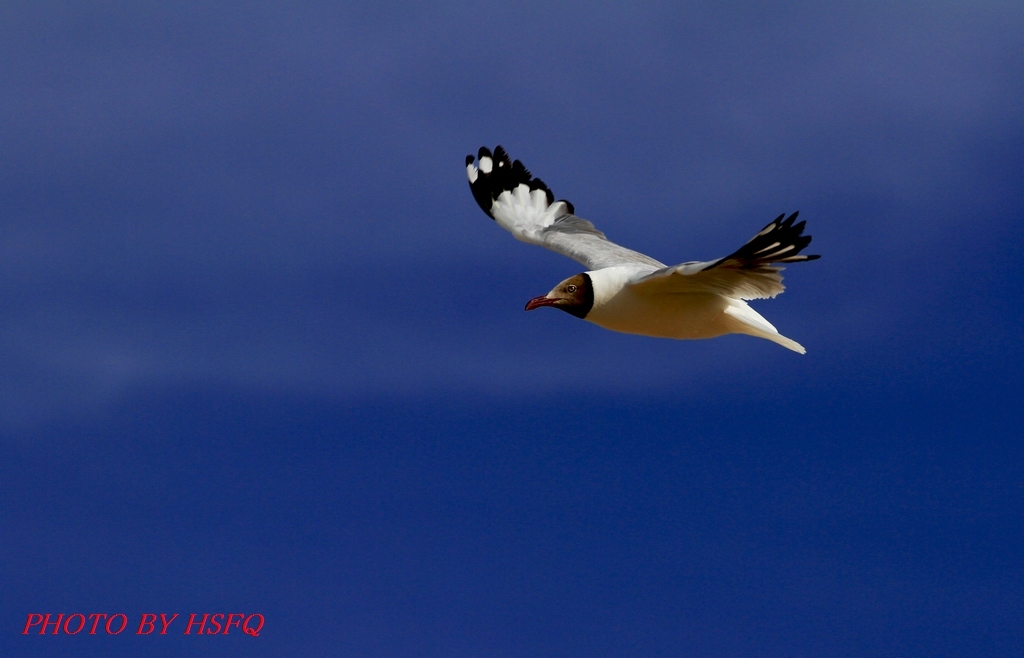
column 523, row 206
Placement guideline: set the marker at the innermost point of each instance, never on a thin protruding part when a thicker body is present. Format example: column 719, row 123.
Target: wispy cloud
column 274, row 198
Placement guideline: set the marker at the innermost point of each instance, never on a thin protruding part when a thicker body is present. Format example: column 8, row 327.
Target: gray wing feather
column 721, row 279
column 577, row 238
column 748, row 273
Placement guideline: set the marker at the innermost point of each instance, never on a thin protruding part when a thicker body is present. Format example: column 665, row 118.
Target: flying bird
column 624, row 290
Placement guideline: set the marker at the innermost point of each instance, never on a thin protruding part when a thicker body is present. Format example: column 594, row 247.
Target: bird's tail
column 748, row 321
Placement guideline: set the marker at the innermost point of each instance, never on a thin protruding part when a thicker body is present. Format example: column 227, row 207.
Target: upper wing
column 747, row 273
column 526, row 208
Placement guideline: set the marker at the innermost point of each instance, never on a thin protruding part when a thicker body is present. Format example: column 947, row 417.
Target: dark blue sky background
column 261, row 352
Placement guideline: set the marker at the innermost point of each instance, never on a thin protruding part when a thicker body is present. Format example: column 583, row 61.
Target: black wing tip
column 780, row 241
column 504, row 174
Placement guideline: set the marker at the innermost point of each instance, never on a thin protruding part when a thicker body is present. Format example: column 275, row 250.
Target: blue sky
column 261, row 350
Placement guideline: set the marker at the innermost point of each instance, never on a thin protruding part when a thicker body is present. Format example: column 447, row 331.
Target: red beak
column 537, row 302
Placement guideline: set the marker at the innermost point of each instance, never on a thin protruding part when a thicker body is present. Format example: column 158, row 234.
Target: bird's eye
column 571, row 288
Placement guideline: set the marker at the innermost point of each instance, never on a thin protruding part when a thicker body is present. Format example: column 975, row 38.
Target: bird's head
column 575, row 296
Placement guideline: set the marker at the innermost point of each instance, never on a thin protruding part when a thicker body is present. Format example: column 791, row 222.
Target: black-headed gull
column 624, row 290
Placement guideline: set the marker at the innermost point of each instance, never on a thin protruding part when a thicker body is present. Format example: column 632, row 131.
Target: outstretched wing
column 526, row 208
column 748, row 273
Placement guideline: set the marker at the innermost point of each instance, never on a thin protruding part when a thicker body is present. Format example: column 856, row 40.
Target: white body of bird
column 679, row 315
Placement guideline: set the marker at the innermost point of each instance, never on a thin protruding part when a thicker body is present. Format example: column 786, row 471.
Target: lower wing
column 748, row 273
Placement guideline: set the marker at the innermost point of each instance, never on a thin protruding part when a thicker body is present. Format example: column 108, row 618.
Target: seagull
column 624, row 290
